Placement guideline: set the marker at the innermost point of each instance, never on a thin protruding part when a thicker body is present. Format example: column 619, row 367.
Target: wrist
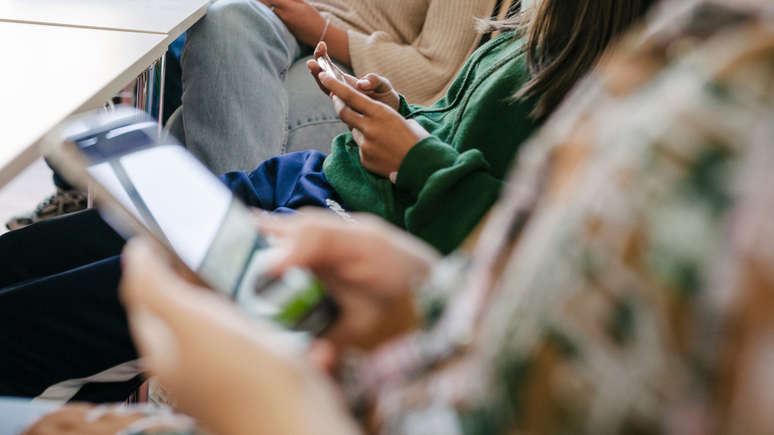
column 337, row 41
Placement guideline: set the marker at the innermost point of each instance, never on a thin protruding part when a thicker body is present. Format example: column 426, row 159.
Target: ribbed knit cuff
column 425, row 158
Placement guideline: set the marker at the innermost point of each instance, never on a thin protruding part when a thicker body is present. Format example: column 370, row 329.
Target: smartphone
column 147, row 183
column 327, row 65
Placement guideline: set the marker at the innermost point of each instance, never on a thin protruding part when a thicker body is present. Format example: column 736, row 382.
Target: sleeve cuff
column 425, row 158
column 404, row 109
column 357, row 46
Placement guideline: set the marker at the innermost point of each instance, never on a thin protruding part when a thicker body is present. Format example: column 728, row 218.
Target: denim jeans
column 247, row 93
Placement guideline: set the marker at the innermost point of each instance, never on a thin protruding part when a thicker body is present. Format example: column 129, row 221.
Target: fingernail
column 394, row 176
column 363, row 83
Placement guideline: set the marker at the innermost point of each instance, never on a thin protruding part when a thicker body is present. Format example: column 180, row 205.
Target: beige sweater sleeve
column 422, row 69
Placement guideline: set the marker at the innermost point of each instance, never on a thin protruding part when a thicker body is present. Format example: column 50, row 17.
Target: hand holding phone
column 328, row 67
column 151, row 185
column 375, row 87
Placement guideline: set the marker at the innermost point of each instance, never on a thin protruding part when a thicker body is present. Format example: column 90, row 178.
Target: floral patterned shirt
column 625, row 281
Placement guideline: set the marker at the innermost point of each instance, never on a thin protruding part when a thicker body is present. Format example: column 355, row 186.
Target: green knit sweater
column 448, row 181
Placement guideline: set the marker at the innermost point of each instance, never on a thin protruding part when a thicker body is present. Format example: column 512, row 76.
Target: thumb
column 320, row 50
column 374, row 83
column 148, row 280
column 368, row 83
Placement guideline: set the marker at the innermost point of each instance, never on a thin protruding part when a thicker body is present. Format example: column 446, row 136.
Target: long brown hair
column 564, row 39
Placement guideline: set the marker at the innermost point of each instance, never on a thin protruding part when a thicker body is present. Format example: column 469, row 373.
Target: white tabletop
column 51, row 72
column 169, row 17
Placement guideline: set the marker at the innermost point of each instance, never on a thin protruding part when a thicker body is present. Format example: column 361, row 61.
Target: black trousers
column 60, row 317
column 63, row 331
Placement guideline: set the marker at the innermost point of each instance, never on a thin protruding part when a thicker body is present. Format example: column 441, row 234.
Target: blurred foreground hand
column 228, row 371
column 233, row 373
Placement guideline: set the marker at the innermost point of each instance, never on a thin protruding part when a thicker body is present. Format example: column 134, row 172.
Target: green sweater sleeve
column 445, row 183
column 406, row 109
column 448, row 181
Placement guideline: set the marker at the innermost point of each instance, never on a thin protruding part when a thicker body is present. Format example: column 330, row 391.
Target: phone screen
column 195, row 215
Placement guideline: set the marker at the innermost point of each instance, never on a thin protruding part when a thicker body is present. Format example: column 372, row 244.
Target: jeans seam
column 309, row 124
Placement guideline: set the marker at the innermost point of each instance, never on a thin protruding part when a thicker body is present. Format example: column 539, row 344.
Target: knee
column 232, row 30
column 233, row 21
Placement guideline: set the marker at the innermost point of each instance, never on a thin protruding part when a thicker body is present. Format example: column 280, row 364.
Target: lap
column 70, row 325
column 60, row 316
column 285, row 183
column 56, row 245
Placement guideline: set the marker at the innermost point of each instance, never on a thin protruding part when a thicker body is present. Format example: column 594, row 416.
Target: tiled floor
column 25, row 192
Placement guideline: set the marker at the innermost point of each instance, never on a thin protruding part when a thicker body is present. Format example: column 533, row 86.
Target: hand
column 376, row 87
column 307, row 25
column 368, row 268
column 384, row 137
column 228, row 371
column 301, row 18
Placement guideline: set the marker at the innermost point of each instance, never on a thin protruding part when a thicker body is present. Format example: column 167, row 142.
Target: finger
column 149, row 282
column 143, row 267
column 309, row 241
column 279, row 226
column 156, row 342
column 322, row 354
column 315, row 69
column 352, row 80
column 145, row 288
column 320, row 50
column 347, row 115
column 349, row 95
column 367, row 83
column 304, row 250
column 374, row 83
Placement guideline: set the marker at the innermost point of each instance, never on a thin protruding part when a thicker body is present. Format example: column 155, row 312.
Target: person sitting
column 449, row 162
column 248, row 96
column 623, row 283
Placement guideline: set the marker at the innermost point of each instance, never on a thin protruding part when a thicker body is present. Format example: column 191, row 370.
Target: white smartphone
column 327, row 65
column 150, row 184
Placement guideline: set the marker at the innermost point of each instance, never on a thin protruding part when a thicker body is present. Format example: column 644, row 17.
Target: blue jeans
column 247, row 93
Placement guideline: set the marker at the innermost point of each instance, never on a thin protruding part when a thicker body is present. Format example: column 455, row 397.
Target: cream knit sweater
column 419, row 45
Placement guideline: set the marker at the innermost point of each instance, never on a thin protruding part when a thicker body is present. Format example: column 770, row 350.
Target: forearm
column 338, row 45
column 420, row 68
column 309, row 27
column 334, row 37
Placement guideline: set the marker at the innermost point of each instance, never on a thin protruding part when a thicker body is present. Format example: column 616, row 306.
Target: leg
column 173, row 80
column 60, row 317
column 56, row 245
column 235, row 61
column 312, row 120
